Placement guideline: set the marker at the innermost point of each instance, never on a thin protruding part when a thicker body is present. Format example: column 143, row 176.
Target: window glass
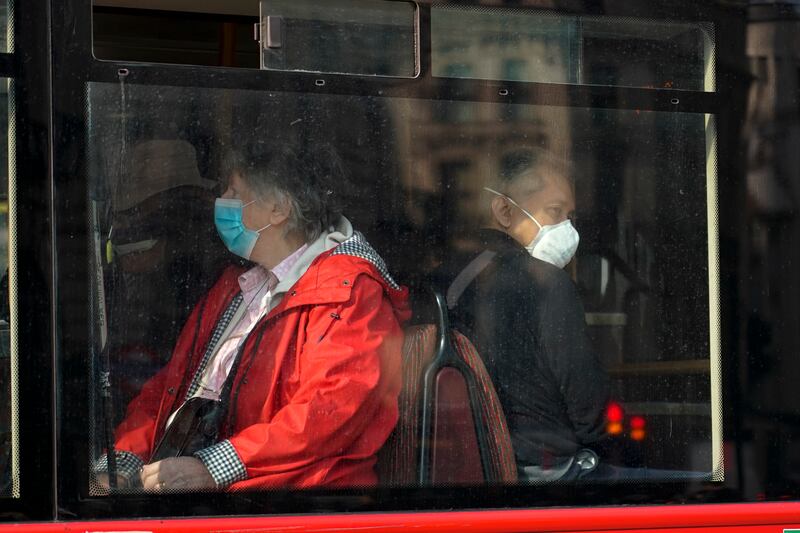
column 769, row 306
column 368, row 37
column 536, row 46
column 612, row 358
column 210, row 33
column 350, row 36
column 4, row 26
column 9, row 452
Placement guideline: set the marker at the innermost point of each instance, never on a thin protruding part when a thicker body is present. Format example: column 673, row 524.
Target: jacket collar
column 326, row 271
column 498, row 241
column 328, row 240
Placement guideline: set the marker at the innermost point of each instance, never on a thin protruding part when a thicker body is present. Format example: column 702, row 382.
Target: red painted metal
column 717, row 518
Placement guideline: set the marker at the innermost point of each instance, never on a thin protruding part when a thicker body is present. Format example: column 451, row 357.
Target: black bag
column 196, row 426
column 198, row 422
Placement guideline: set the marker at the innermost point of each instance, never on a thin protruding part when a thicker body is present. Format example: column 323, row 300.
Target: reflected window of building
column 455, row 113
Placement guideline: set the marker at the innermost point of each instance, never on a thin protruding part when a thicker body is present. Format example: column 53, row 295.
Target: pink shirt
column 257, row 285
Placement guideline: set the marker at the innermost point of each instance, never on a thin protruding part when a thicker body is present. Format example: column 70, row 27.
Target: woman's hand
column 177, row 473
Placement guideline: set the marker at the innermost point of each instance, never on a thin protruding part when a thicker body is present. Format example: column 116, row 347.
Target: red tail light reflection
column 614, row 418
column 637, row 428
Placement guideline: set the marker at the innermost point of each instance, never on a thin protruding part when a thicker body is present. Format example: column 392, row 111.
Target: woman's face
column 256, row 215
column 268, row 218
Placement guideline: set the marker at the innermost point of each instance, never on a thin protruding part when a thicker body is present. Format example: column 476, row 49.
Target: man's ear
column 501, row 211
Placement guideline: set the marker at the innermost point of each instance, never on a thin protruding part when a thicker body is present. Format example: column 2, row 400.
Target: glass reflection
column 9, row 468
column 418, row 170
column 537, row 46
column 4, row 26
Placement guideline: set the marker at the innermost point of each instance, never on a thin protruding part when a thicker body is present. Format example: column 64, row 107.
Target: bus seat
column 451, row 428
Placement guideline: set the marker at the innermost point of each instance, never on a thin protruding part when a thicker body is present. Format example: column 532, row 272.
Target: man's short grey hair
column 533, row 164
column 309, row 181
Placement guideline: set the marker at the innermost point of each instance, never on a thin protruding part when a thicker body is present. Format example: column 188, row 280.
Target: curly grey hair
column 307, row 181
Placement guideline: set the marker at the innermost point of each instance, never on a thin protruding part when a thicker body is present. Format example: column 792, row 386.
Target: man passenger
column 514, row 300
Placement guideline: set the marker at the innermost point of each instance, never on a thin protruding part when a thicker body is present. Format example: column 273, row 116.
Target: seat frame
column 446, row 357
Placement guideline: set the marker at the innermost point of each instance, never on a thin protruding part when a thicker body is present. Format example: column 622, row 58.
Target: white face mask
column 555, row 244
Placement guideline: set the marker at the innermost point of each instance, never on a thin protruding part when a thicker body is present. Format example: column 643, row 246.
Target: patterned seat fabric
column 398, row 461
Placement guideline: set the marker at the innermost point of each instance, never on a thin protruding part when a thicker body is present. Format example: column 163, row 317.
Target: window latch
column 269, row 32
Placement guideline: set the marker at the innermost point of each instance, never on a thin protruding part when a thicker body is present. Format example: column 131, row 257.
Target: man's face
column 552, row 204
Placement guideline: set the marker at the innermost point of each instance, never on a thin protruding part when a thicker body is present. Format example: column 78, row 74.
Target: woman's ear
column 501, row 211
column 280, row 212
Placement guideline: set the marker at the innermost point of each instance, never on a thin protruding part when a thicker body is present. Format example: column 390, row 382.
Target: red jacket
column 317, row 397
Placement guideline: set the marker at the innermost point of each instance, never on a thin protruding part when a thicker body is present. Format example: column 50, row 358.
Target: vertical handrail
column 446, row 356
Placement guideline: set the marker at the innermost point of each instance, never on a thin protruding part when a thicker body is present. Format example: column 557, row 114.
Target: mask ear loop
column 258, row 230
column 515, row 204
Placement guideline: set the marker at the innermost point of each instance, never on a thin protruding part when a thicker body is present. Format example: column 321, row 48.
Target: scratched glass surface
column 417, row 169
column 546, row 47
column 9, row 428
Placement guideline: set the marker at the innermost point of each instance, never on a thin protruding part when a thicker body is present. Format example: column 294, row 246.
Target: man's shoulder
column 514, row 264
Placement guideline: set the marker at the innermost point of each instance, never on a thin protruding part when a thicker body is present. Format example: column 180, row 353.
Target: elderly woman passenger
column 305, row 344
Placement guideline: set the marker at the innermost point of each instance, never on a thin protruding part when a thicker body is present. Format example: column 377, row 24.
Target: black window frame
column 27, row 64
column 54, row 263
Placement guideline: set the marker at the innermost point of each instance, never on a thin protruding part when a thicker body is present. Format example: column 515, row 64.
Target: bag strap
column 217, row 335
column 466, row 276
column 214, row 421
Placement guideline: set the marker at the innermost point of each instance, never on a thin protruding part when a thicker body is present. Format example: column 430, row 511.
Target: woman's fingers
column 176, row 473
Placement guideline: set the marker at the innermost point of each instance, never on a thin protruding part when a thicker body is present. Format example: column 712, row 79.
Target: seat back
column 454, row 434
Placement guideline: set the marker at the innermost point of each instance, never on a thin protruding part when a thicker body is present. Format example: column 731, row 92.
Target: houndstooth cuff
column 127, row 464
column 223, row 463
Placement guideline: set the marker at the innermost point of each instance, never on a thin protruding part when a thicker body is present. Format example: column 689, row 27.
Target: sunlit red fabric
column 320, row 397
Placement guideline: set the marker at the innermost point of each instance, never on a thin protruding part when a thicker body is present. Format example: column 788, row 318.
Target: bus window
column 423, row 176
column 176, row 32
column 353, row 37
column 4, row 26
column 9, row 438
column 364, row 37
column 552, row 48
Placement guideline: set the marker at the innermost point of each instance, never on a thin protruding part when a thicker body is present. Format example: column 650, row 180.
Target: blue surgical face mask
column 230, row 226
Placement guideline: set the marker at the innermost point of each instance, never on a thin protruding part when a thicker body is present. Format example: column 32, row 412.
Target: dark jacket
column 526, row 320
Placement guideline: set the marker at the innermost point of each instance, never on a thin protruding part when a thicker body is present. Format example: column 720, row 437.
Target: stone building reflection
column 770, row 138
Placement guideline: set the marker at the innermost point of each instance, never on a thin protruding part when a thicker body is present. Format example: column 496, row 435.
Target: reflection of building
column 453, row 159
column 772, row 135
column 771, row 138
column 640, row 180
column 453, row 146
